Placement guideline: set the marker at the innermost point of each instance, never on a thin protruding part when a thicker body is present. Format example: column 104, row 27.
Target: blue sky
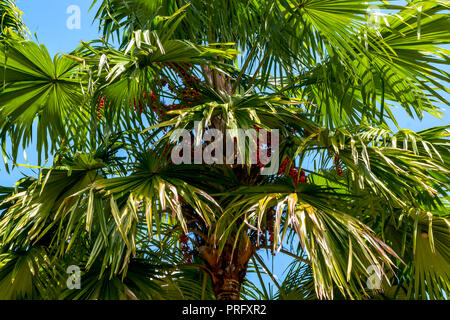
column 47, row 19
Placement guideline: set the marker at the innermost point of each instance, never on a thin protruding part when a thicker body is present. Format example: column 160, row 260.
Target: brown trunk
column 227, row 277
column 228, row 290
column 229, row 269
column 216, row 79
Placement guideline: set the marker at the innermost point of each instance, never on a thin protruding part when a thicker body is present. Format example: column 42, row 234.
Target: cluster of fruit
column 185, row 94
column 184, row 239
column 136, row 105
column 101, row 104
column 339, row 170
column 183, row 71
column 293, row 172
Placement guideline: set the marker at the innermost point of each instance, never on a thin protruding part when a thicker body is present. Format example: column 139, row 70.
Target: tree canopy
column 354, row 193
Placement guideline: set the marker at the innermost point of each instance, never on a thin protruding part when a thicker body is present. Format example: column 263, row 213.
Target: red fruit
column 302, row 179
column 336, row 160
column 284, row 165
column 184, row 239
column 100, row 107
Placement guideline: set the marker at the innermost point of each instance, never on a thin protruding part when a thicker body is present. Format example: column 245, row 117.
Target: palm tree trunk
column 229, row 289
column 227, row 279
column 229, row 269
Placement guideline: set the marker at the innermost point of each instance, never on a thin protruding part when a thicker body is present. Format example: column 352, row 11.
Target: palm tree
column 355, row 195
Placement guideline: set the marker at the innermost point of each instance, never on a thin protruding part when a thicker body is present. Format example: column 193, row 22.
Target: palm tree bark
column 228, row 290
column 228, row 269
